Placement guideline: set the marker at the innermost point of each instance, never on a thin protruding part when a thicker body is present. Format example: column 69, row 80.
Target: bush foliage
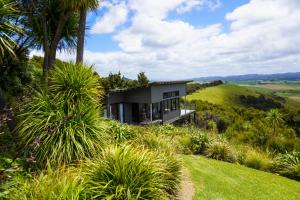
column 124, row 172
column 288, row 164
column 61, row 124
column 220, row 150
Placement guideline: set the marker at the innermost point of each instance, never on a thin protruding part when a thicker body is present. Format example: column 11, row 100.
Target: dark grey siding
column 140, row 95
column 157, row 91
column 115, row 98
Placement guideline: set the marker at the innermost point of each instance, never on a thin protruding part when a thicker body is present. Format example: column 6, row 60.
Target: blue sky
column 198, row 17
column 181, row 39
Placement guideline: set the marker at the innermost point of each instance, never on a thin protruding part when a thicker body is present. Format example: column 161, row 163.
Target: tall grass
column 220, row 150
column 61, row 123
column 119, row 132
column 124, row 172
column 62, row 183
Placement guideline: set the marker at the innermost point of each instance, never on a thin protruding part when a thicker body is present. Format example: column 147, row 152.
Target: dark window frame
column 172, row 94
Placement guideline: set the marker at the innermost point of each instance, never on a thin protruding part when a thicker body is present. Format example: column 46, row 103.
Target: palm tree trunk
column 80, row 36
column 46, row 53
column 52, row 50
column 45, row 42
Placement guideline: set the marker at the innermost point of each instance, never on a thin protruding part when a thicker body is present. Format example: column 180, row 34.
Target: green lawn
column 218, row 180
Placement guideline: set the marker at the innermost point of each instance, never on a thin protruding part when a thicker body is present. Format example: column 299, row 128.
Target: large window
column 171, row 104
column 167, row 95
column 144, row 111
column 156, row 111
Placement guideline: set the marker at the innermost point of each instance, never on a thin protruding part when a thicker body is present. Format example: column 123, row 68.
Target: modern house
column 158, row 102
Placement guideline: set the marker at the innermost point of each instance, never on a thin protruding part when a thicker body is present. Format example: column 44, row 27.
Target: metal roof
column 170, row 82
column 154, row 83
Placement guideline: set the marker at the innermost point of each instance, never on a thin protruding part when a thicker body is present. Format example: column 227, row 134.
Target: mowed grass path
column 218, row 180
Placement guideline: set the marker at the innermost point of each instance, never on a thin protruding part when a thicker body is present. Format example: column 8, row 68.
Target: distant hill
column 253, row 77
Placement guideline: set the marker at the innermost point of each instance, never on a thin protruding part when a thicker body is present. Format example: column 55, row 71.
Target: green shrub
column 185, row 142
column 199, row 142
column 62, row 183
column 257, row 160
column 288, row 164
column 281, row 144
column 166, row 129
column 212, row 126
column 61, row 124
column 171, row 172
column 220, row 151
column 158, row 142
column 120, row 132
column 124, row 172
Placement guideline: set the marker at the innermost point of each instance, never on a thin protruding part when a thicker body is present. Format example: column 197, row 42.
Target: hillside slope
column 220, row 180
column 229, row 95
column 225, row 94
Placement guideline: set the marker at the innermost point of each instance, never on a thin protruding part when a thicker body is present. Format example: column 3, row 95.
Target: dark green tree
column 142, row 79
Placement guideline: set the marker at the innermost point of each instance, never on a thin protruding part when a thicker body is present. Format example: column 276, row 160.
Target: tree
column 142, row 79
column 275, row 118
column 8, row 13
column 14, row 51
column 53, row 26
column 83, row 6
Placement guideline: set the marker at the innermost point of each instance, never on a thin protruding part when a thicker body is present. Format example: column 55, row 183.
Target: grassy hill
column 225, row 94
column 220, row 180
column 289, row 90
column 229, row 94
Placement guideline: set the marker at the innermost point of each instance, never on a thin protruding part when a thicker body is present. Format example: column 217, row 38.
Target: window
column 156, row 111
column 171, row 104
column 167, row 95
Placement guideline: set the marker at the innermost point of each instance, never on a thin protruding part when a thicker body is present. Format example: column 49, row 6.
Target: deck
column 183, row 113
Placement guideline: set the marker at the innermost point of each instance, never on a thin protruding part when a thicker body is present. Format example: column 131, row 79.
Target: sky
column 183, row 39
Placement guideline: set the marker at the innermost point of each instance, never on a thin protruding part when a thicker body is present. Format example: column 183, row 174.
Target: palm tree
column 52, row 25
column 83, row 8
column 8, row 13
column 275, row 118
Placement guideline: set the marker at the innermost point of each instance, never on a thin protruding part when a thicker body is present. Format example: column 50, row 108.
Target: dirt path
column 187, row 188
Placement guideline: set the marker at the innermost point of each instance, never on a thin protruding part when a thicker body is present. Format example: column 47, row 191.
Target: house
column 158, row 102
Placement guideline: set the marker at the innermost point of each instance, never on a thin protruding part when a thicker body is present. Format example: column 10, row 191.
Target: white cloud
column 114, row 17
column 264, row 37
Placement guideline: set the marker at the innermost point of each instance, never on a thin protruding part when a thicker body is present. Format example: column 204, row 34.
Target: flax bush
column 61, row 183
column 220, row 150
column 288, row 164
column 61, row 123
column 125, row 172
column 257, row 160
